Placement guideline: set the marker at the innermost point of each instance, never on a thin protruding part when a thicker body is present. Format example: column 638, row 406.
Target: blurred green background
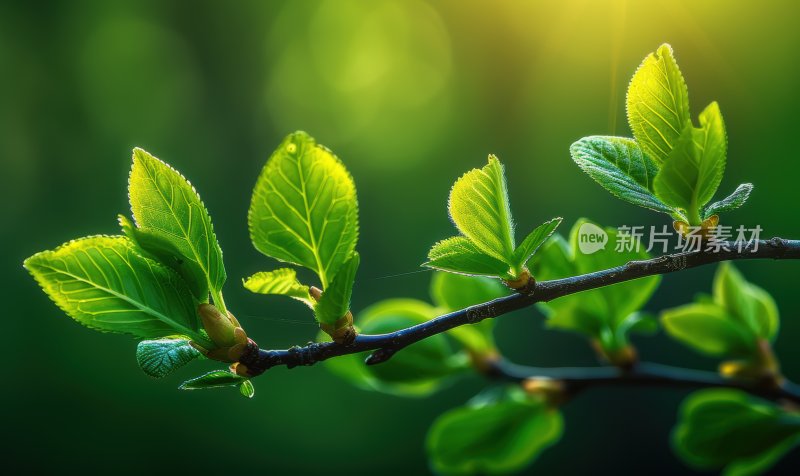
column 410, row 95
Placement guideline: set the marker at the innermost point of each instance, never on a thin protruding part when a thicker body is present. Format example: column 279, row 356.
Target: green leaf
column 731, row 202
column 602, row 313
column 213, row 379
column 105, row 284
column 418, row 370
column 459, row 255
column 452, row 292
column 246, row 389
column 335, row 301
column 173, row 222
column 533, row 241
column 159, row 358
column 691, row 174
column 479, row 207
column 708, row 329
column 497, row 437
column 750, row 306
column 304, row 208
column 620, row 166
column 727, row 428
column 280, row 281
column 658, row 104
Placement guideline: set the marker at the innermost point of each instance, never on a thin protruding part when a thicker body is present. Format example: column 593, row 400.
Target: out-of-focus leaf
column 246, row 389
column 494, row 437
column 727, row 428
column 709, row 329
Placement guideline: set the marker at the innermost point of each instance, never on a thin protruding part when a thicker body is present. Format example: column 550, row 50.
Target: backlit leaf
column 304, row 209
column 335, row 301
column 533, row 241
column 280, row 281
column 731, row 202
column 459, row 255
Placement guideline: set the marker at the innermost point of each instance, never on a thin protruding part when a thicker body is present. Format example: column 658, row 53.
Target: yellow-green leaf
column 658, row 103
column 479, row 207
column 173, row 222
column 459, row 255
column 105, row 284
column 304, row 209
column 280, row 281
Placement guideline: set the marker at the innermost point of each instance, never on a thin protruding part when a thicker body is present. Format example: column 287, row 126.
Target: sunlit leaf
column 658, row 104
column 727, row 428
column 104, row 283
column 246, row 389
column 496, row 437
column 335, row 302
column 479, row 207
column 459, row 255
column 304, row 209
column 620, row 166
column 533, row 241
column 731, row 202
column 158, row 358
column 280, row 281
column 173, row 221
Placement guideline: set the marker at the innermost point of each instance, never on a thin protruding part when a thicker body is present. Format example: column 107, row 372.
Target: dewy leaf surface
column 104, row 283
column 620, row 166
column 304, row 209
column 658, row 103
column 166, row 206
column 479, row 207
column 158, row 358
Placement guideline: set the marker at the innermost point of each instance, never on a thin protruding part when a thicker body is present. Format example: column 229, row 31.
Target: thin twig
column 385, row 345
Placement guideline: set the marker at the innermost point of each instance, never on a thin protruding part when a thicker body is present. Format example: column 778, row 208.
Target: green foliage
column 304, row 209
column 281, row 281
column 158, row 358
column 220, row 379
column 451, row 292
column 335, row 302
column 478, row 206
column 417, row 370
column 727, row 428
column 729, row 325
column 493, row 436
column 671, row 166
column 605, row 314
column 104, row 283
column 174, row 225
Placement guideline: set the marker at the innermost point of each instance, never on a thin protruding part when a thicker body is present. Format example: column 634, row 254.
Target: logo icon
column 591, row 238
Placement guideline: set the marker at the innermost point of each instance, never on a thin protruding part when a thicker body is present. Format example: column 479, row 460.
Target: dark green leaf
column 159, row 358
column 213, row 379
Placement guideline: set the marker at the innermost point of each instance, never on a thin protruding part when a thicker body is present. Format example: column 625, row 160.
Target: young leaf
column 452, row 292
column 418, row 370
column 246, row 389
column 658, row 104
column 709, row 329
column 533, row 241
column 213, row 379
column 173, row 220
column 304, row 209
column 731, row 202
column 747, row 304
column 727, row 428
column 620, row 166
column 496, row 437
column 479, row 207
column 335, row 301
column 459, row 255
column 105, row 284
column 692, row 172
column 280, row 281
column 158, row 358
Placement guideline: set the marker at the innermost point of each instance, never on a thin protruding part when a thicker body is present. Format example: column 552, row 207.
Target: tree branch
column 385, row 345
column 644, row 374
